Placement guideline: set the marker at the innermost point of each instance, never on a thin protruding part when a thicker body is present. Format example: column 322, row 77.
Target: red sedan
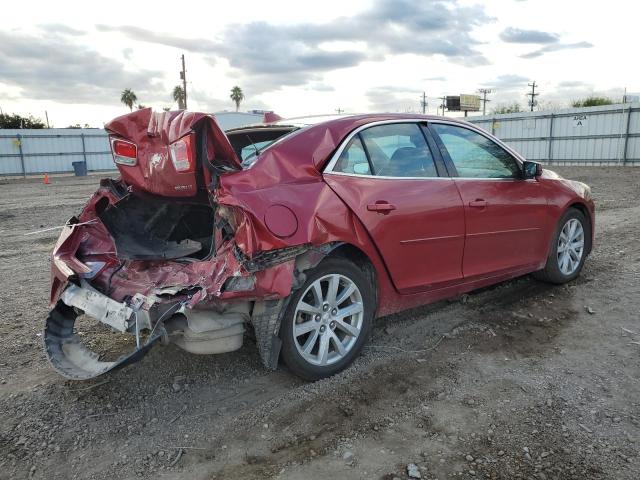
column 302, row 230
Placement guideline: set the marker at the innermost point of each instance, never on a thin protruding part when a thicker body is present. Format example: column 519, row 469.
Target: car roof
column 359, row 118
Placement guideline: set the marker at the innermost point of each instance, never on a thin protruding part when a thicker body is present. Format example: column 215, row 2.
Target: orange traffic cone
column 46, row 179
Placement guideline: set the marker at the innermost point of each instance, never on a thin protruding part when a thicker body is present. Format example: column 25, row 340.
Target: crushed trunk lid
column 170, row 153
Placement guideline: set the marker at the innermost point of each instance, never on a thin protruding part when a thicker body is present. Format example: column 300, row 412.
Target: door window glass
column 474, row 155
column 398, row 150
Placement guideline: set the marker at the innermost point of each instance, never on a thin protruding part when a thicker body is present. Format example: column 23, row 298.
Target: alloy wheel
column 328, row 319
column 570, row 246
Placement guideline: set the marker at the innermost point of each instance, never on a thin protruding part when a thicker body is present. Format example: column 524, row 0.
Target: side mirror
column 531, row 169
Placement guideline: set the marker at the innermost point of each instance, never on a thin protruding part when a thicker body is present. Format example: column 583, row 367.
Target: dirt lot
column 523, row 380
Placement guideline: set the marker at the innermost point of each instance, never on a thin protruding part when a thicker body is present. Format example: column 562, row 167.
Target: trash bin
column 80, row 169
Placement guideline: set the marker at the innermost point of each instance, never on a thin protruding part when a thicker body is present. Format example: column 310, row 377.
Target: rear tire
column 569, row 249
column 328, row 320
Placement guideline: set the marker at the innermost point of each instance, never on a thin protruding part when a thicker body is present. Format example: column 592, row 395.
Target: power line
column 484, row 100
column 533, row 102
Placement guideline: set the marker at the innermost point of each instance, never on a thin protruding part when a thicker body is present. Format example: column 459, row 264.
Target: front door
column 506, row 216
column 388, row 177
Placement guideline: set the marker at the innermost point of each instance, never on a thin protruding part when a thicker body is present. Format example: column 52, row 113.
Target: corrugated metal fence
column 24, row 152
column 606, row 135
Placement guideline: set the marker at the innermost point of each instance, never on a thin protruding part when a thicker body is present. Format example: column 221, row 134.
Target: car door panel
column 506, row 218
column 421, row 238
column 505, row 222
column 390, row 178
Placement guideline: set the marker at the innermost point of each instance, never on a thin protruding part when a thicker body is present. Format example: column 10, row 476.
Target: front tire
column 328, row 320
column 569, row 249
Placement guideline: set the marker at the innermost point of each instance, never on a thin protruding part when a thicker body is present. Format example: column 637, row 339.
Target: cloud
column 321, row 87
column 516, row 35
column 393, row 99
column 508, row 82
column 573, row 84
column 269, row 56
column 555, row 48
column 143, row 35
column 59, row 28
column 64, row 70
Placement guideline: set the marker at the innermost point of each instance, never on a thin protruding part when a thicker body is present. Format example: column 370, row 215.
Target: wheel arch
column 345, row 250
column 582, row 208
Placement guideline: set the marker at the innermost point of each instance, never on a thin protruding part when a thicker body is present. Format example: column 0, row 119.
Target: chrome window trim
column 334, row 159
column 360, row 175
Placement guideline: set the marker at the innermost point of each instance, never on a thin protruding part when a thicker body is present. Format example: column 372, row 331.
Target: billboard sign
column 463, row 103
column 470, row 103
column 453, row 103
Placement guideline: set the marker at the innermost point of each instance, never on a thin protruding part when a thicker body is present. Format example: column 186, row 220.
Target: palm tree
column 178, row 96
column 237, row 96
column 128, row 98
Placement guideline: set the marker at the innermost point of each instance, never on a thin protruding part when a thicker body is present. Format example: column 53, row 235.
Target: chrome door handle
column 478, row 203
column 381, row 207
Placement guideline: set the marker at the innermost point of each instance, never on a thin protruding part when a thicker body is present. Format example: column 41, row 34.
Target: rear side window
column 398, row 150
column 474, row 155
column 353, row 159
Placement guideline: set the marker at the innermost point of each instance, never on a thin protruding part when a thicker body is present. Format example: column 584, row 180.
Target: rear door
column 388, row 176
column 506, row 215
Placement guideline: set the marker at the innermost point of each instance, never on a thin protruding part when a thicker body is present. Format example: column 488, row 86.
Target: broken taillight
column 182, row 155
column 124, row 153
column 95, row 267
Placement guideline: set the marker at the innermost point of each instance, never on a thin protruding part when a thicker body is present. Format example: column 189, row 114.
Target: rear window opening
column 157, row 228
column 248, row 143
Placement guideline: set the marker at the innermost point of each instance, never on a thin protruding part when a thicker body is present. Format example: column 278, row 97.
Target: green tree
column 13, row 120
column 592, row 101
column 178, row 96
column 511, row 108
column 128, row 98
column 237, row 96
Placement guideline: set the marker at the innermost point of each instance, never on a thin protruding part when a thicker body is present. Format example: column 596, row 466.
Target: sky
column 73, row 59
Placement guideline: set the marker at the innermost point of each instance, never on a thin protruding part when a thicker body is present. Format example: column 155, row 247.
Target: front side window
column 398, row 150
column 474, row 155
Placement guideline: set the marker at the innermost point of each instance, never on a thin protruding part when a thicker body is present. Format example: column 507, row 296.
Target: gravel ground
column 522, row 380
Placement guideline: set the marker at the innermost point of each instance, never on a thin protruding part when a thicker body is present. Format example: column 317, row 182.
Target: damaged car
column 300, row 232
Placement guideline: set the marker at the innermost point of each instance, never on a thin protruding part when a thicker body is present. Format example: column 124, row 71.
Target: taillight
column 182, row 155
column 124, row 153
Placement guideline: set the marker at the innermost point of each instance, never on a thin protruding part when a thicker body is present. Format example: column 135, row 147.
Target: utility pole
column 46, row 114
column 443, row 104
column 533, row 95
column 484, row 92
column 183, row 76
column 423, row 103
column 339, row 110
